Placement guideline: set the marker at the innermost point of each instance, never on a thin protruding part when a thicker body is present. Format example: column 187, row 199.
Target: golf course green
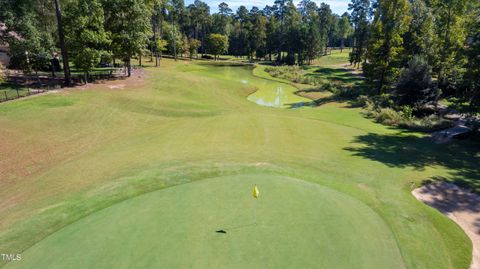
column 178, row 228
column 148, row 172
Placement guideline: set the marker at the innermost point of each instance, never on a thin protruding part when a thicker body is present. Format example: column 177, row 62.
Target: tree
column 128, row 22
column 193, row 46
column 61, row 37
column 291, row 25
column 311, row 42
column 386, row 49
column 344, row 28
column 199, row 13
column 184, row 46
column 161, row 44
column 174, row 40
column 472, row 76
column 273, row 34
column 221, row 21
column 86, row 60
column 176, row 10
column 256, row 33
column 160, row 47
column 158, row 16
column 450, row 38
column 85, row 35
column 325, row 15
column 217, row 44
column 419, row 38
column 415, row 86
column 30, row 28
column 360, row 18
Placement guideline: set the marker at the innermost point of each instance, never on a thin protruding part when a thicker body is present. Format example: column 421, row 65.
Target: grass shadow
column 332, row 98
column 341, row 75
column 238, row 227
column 448, row 198
column 405, row 150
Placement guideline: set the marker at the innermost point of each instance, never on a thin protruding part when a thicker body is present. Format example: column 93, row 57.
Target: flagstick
column 255, row 212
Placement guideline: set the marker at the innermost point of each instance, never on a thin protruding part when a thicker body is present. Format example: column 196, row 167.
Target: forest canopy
column 387, row 37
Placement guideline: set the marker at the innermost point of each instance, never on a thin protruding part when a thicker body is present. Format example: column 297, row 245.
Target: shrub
column 294, row 74
column 388, row 116
column 415, row 86
column 291, row 73
column 383, row 101
column 329, row 87
column 427, row 124
column 407, row 112
column 363, row 101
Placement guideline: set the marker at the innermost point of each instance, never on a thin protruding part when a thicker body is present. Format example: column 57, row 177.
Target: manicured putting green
column 299, row 225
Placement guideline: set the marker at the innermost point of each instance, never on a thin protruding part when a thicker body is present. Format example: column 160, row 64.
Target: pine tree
column 472, row 76
column 360, row 18
column 450, row 38
column 345, row 29
column 385, row 50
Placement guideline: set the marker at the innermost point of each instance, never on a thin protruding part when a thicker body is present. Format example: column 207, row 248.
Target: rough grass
column 336, row 58
column 64, row 156
column 340, row 76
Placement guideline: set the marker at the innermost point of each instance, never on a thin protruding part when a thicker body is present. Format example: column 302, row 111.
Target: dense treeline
column 416, row 50
column 99, row 30
column 419, row 50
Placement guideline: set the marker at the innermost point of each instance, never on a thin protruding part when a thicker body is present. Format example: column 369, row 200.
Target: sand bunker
column 460, row 205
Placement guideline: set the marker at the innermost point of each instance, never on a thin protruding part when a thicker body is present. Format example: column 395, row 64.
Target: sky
column 337, row 6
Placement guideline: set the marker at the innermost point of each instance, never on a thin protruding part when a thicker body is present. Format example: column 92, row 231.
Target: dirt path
column 118, row 83
column 458, row 204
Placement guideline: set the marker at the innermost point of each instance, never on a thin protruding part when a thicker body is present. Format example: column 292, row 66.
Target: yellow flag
column 256, row 192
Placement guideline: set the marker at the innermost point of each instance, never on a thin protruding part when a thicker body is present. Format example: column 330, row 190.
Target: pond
column 269, row 92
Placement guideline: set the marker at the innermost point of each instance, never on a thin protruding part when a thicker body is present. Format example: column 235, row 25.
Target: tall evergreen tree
column 472, row 76
column 311, row 39
column 386, row 49
column 360, row 13
column 344, row 28
column 419, row 38
column 257, row 33
column 450, row 38
column 199, row 13
column 221, row 21
column 326, row 23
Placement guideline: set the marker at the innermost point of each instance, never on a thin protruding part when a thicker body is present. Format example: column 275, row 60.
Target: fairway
column 299, row 225
column 142, row 174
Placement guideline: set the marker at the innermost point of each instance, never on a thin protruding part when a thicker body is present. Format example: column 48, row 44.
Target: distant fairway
column 141, row 174
column 299, row 225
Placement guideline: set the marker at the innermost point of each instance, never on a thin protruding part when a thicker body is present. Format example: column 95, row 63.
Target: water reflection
column 269, row 93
